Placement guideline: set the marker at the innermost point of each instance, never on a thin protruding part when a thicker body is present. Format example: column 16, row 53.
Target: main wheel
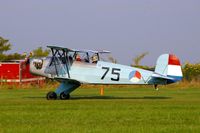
column 64, row 96
column 51, row 95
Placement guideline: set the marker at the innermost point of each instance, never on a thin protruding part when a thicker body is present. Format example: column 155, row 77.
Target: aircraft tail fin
column 169, row 65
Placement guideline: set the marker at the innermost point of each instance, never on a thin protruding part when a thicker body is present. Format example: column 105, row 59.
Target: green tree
column 112, row 59
column 4, row 45
column 191, row 72
column 15, row 56
column 39, row 52
column 138, row 59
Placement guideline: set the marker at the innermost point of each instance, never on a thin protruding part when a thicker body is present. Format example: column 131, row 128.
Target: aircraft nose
column 36, row 66
column 32, row 68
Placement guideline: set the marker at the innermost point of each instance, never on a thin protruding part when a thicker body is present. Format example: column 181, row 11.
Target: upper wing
column 93, row 51
column 59, row 48
column 76, row 50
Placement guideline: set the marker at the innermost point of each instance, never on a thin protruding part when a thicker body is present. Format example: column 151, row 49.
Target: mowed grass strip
column 120, row 110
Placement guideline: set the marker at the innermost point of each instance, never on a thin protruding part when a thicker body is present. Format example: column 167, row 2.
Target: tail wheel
column 51, row 96
column 156, row 87
column 64, row 96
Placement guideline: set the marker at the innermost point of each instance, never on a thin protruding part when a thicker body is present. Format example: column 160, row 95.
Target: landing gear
column 51, row 96
column 156, row 87
column 64, row 96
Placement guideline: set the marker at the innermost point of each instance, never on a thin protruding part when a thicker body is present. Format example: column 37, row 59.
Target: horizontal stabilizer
column 155, row 75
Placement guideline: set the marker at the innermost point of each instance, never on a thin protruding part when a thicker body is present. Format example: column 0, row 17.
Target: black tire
column 51, row 95
column 64, row 96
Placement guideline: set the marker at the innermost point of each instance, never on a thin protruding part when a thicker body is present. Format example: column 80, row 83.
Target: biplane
column 73, row 68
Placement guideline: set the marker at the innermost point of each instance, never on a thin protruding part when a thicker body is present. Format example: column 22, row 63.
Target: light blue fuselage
column 92, row 73
column 67, row 67
column 95, row 73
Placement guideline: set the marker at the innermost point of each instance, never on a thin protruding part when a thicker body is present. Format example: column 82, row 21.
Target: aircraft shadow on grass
column 118, row 97
column 109, row 97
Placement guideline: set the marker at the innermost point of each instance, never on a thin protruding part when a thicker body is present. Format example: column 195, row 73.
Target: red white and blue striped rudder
column 169, row 65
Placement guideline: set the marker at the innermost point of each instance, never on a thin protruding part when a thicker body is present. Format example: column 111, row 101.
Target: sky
column 124, row 27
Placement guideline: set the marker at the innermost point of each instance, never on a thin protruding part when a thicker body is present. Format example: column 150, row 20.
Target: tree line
column 5, row 46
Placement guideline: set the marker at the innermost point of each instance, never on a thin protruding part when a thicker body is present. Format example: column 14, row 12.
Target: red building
column 17, row 72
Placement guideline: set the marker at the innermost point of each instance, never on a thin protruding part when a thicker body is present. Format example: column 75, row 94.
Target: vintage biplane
column 73, row 68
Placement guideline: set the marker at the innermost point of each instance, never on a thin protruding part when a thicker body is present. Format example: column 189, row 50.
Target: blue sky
column 125, row 27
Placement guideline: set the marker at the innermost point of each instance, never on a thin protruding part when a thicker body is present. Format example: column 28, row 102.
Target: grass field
column 140, row 109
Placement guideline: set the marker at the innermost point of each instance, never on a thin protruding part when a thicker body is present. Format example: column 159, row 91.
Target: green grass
column 119, row 110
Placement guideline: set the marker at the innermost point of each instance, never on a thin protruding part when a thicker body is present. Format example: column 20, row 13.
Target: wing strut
column 67, row 62
column 59, row 54
column 53, row 61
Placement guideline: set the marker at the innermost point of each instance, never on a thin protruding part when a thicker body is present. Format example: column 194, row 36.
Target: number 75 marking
column 115, row 71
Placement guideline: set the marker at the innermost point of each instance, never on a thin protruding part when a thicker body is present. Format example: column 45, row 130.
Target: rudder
column 169, row 65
